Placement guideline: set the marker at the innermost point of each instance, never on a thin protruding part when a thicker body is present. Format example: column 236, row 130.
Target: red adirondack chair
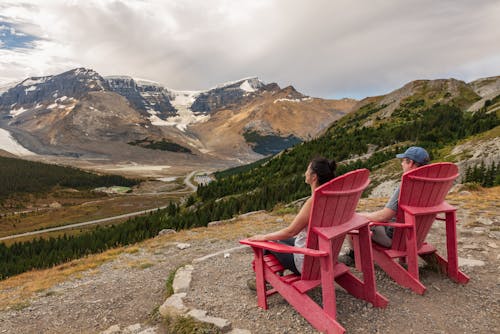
column 421, row 198
column 332, row 216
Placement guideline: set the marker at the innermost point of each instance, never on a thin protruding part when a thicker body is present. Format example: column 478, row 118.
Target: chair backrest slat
column 425, row 186
column 334, row 203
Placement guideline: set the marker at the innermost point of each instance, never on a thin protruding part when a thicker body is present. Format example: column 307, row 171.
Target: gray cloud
column 324, row 48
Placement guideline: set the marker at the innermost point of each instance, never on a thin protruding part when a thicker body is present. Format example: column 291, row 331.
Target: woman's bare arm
column 299, row 222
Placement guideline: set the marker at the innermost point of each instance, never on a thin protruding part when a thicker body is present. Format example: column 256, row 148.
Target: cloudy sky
column 324, row 48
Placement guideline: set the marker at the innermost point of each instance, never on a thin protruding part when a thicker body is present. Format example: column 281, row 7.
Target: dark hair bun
column 333, row 165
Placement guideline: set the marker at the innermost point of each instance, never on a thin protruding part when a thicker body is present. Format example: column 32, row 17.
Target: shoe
column 347, row 258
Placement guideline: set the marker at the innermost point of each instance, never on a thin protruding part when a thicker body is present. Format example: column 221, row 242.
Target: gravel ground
column 219, row 286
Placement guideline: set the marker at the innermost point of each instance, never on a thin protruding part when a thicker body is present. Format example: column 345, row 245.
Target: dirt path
column 128, row 289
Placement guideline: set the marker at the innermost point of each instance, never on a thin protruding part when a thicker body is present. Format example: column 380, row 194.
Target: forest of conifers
column 269, row 182
column 21, row 176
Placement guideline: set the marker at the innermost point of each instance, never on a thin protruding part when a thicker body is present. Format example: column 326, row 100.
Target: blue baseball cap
column 417, row 154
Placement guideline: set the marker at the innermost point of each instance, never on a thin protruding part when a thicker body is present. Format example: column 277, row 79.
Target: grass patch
column 146, row 265
column 20, row 306
column 17, row 290
column 189, row 325
column 286, row 210
column 169, row 288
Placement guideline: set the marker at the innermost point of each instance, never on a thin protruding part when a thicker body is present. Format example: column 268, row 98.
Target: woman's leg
column 286, row 259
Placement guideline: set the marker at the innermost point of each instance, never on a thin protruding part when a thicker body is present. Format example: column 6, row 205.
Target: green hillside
column 22, row 177
column 434, row 119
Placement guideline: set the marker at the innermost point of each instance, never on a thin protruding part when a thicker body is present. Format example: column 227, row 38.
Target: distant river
column 9, row 144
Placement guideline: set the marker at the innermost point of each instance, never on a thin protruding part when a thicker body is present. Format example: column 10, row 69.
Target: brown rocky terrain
column 282, row 112
column 121, row 290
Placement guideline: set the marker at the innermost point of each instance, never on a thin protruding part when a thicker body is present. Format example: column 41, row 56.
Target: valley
column 63, row 207
column 93, row 132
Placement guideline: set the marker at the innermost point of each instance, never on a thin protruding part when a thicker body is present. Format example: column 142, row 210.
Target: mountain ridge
column 86, row 115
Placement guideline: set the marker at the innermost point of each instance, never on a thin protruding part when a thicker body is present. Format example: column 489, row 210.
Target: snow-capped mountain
column 147, row 96
column 79, row 113
column 34, row 90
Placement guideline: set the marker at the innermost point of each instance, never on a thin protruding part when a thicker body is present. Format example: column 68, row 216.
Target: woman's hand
column 258, row 237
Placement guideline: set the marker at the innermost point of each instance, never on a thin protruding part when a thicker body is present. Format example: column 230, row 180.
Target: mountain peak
column 249, row 84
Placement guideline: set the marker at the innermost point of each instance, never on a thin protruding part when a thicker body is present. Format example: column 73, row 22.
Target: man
column 414, row 157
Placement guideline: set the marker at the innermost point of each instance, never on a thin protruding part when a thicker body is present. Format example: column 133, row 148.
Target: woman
column 319, row 171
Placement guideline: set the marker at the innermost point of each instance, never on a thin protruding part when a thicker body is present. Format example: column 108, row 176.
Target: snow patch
column 9, row 144
column 293, row 100
column 146, row 82
column 182, row 101
column 17, row 112
column 30, row 89
column 247, row 87
column 35, row 81
column 231, row 83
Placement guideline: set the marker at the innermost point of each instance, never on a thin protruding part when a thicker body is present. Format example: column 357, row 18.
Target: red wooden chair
column 332, row 216
column 421, row 198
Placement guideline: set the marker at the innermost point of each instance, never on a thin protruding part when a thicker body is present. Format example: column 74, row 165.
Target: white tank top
column 300, row 241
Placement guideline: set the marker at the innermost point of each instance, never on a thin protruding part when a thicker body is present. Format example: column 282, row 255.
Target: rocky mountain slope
column 82, row 114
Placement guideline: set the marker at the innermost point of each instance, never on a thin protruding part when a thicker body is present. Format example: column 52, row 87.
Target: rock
column 239, row 331
column 244, row 215
column 150, row 330
column 470, row 262
column 132, row 329
column 221, row 222
column 182, row 279
column 173, row 306
column 479, row 230
column 181, row 245
column 55, row 205
column 143, row 95
column 112, row 330
column 200, row 315
column 167, row 231
column 473, row 247
column 280, row 220
column 494, row 235
column 484, row 221
column 492, row 245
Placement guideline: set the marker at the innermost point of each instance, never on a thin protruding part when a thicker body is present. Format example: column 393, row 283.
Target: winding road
column 187, row 182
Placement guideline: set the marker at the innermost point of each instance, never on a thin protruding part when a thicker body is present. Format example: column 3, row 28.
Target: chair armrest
column 417, row 211
column 396, row 225
column 282, row 248
column 354, row 223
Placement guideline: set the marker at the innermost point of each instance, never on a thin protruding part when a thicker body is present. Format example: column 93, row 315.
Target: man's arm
column 381, row 215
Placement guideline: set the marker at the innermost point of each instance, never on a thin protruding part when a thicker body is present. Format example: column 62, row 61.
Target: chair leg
column 366, row 259
column 327, row 279
column 357, row 253
column 260, row 283
column 397, row 272
column 451, row 245
column 365, row 290
column 411, row 247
